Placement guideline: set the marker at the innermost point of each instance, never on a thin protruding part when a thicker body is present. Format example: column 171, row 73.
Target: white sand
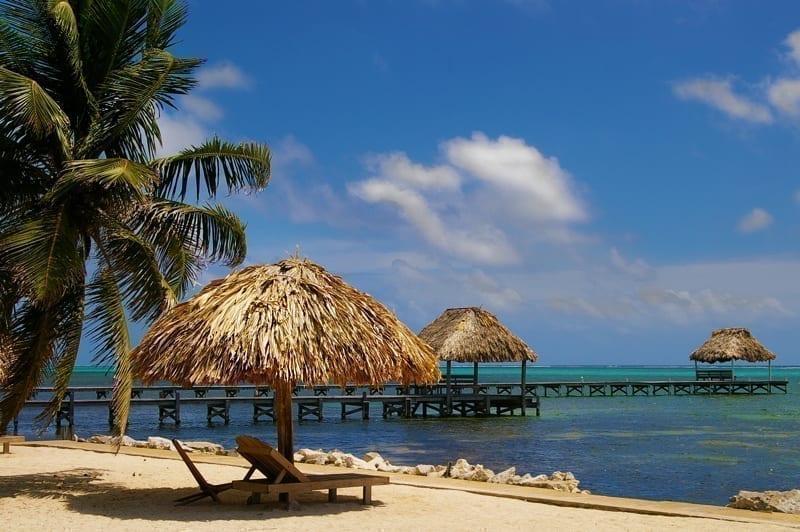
column 43, row 488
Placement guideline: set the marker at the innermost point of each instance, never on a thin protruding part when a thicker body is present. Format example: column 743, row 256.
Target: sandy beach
column 72, row 486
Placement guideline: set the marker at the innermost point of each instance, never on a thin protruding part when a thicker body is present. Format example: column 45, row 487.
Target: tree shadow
column 85, row 492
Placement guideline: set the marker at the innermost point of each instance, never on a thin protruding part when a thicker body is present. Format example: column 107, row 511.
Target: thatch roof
column 472, row 334
column 731, row 344
column 287, row 322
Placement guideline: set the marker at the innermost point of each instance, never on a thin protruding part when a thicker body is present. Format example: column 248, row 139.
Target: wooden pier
column 647, row 388
column 394, row 401
column 461, row 397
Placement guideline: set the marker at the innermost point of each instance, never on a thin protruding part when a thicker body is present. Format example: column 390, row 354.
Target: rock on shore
column 460, row 469
column 787, row 502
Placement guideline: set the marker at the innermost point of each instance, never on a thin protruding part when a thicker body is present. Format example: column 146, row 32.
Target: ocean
column 701, row 449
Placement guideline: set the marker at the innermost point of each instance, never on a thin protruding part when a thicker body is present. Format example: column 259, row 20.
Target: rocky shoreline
column 372, row 461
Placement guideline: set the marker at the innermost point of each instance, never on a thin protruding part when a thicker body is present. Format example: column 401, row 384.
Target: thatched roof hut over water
column 735, row 343
column 730, row 344
column 471, row 334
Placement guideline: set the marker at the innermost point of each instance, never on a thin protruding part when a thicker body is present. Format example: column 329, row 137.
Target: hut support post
column 448, row 398
column 769, row 370
column 447, row 379
column 524, row 377
column 474, row 373
column 522, row 382
column 283, row 416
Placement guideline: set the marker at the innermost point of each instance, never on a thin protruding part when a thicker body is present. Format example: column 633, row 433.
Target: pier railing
column 458, row 397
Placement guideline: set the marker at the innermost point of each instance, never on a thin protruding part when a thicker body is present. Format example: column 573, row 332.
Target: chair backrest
column 188, row 461
column 268, row 461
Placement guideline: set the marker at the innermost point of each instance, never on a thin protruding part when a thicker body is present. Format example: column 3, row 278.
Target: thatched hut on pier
column 279, row 325
column 472, row 334
column 731, row 344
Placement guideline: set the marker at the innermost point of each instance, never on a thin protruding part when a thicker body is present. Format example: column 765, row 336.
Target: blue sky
column 613, row 179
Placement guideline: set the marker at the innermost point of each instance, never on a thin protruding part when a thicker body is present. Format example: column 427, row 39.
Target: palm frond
column 46, row 251
column 165, row 17
column 106, row 319
column 136, row 270
column 121, row 397
column 34, row 338
column 122, row 181
column 66, row 21
column 211, row 231
column 23, row 36
column 65, row 351
column 113, row 34
column 244, row 166
column 132, row 98
column 108, row 331
column 24, row 103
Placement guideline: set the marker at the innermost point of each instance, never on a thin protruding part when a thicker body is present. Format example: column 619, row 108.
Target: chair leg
column 332, row 495
column 190, row 499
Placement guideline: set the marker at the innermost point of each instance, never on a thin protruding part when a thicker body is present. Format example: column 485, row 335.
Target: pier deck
column 459, row 398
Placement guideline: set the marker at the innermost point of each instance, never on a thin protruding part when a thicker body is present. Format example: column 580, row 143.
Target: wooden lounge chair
column 282, row 477
column 206, row 489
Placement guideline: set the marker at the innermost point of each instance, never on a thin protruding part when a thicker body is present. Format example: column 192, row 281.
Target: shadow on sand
column 84, row 491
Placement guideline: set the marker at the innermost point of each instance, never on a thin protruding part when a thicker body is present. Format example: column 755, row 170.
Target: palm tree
column 95, row 232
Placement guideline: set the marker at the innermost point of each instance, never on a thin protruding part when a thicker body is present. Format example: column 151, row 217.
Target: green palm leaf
column 244, row 166
column 46, row 253
column 24, row 103
column 108, row 329
column 111, row 182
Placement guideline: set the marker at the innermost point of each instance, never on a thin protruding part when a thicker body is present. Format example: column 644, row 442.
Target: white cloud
column 485, row 244
column 289, row 151
column 755, row 220
column 186, row 126
column 179, row 132
column 484, row 196
column 398, row 167
column 637, row 268
column 202, row 108
column 533, row 185
column 224, row 75
column 793, row 42
column 575, row 305
column 784, row 94
column 684, row 305
column 719, row 94
column 493, row 292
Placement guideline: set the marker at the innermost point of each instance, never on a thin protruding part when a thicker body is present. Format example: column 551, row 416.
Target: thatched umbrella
column 279, row 325
column 734, row 343
column 475, row 335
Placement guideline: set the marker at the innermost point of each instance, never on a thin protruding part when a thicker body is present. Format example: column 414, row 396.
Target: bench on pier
column 714, row 374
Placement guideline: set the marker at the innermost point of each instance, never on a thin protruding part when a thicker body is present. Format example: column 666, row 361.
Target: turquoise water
column 686, row 448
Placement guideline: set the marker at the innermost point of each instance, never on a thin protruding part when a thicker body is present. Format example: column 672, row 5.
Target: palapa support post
column 66, row 410
column 523, row 383
column 283, row 415
column 448, row 392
